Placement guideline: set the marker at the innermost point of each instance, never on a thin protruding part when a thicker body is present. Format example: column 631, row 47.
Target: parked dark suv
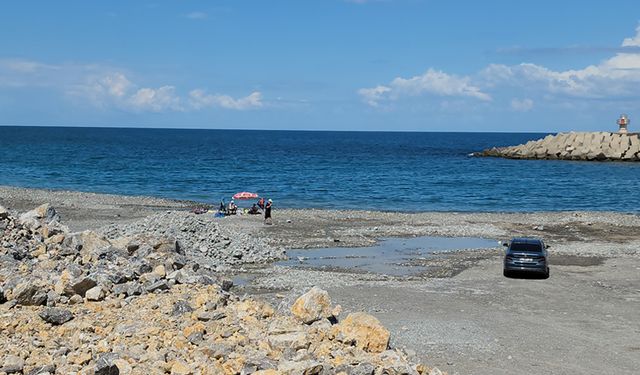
column 526, row 255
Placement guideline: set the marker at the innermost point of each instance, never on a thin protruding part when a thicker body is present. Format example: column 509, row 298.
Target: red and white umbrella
column 245, row 195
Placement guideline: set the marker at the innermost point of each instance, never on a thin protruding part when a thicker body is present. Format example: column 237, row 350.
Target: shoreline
column 461, row 315
column 127, row 207
column 11, row 191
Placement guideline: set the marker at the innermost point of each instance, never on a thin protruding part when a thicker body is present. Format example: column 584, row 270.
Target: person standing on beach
column 267, row 212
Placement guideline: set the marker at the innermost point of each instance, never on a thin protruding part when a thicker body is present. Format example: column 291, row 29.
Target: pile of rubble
column 41, row 262
column 201, row 237
column 133, row 301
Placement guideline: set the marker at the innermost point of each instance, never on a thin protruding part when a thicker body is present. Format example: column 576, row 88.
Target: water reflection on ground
column 393, row 256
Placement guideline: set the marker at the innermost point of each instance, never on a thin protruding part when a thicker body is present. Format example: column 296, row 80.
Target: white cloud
column 521, row 105
column 155, row 100
column 107, row 87
column 116, row 84
column 23, row 66
column 616, row 77
column 197, row 15
column 374, row 95
column 432, row 82
column 634, row 41
column 23, row 73
column 438, row 83
column 200, row 99
column 114, row 89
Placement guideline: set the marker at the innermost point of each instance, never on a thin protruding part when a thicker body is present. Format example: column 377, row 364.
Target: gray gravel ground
column 583, row 319
column 464, row 316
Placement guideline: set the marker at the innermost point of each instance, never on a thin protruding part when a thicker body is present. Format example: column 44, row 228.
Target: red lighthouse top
column 623, row 121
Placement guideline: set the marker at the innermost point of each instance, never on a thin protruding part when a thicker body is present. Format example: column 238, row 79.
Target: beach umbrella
column 245, row 195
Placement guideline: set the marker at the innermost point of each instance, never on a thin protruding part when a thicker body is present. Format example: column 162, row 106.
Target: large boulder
column 292, row 340
column 30, row 294
column 43, row 212
column 56, row 316
column 92, row 245
column 12, row 365
column 167, row 245
column 313, row 305
column 4, row 213
column 76, row 286
column 106, row 364
column 362, row 330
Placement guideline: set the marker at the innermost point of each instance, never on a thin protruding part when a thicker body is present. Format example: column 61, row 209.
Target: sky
column 365, row 65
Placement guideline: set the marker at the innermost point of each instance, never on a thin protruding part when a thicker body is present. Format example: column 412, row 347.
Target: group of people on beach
column 263, row 205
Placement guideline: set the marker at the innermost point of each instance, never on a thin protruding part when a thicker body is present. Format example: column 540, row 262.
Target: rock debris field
column 112, row 284
column 149, row 297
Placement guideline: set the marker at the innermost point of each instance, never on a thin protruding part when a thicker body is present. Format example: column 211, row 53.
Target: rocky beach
column 104, row 284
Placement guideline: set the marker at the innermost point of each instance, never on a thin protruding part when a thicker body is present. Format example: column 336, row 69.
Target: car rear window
column 531, row 247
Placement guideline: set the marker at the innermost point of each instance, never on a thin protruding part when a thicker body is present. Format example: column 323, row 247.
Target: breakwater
column 599, row 146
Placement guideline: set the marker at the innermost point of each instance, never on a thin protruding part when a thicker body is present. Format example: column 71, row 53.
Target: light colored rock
column 364, row 330
column 55, row 239
column 12, row 365
column 75, row 299
column 634, row 146
column 44, row 211
column 313, row 305
column 578, row 140
column 293, row 340
column 92, row 245
column 180, row 368
column 124, row 368
column 301, row 367
column 268, row 372
column 575, row 146
column 95, row 294
column 160, row 271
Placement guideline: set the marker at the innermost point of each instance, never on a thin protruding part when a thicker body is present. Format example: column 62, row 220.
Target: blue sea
column 389, row 171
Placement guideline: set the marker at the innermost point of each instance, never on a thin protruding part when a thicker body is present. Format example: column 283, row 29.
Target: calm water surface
column 362, row 170
column 392, row 256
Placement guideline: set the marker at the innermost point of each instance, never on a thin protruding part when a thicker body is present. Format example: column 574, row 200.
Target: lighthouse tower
column 623, row 121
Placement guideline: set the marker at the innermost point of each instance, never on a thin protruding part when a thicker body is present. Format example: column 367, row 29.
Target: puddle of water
column 391, row 256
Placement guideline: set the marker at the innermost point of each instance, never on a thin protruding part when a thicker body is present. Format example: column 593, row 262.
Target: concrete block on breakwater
column 600, row 146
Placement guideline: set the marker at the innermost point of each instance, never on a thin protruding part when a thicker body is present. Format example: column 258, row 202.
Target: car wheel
column 506, row 273
column 546, row 274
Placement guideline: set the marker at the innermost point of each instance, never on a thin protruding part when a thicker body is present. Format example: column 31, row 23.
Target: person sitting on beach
column 232, row 208
column 254, row 210
column 223, row 208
